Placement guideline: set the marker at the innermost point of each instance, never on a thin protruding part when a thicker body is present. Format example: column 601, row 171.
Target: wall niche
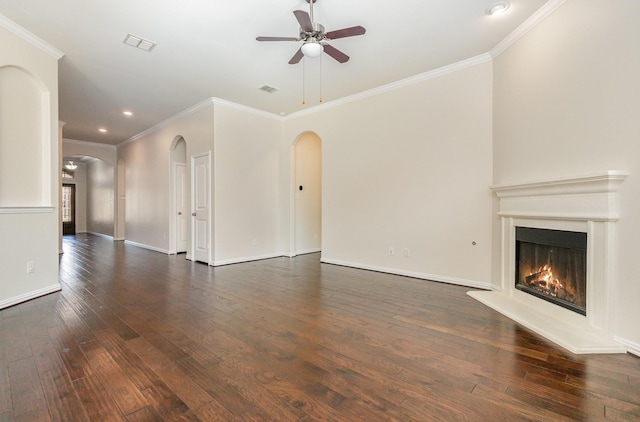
column 23, row 122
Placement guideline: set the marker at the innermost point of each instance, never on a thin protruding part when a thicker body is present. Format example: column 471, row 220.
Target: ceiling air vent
column 268, row 88
column 141, row 43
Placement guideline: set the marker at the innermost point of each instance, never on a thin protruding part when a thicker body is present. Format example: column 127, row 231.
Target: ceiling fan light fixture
column 312, row 48
column 70, row 165
column 498, row 8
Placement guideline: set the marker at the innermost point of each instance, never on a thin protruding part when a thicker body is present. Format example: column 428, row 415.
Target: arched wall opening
column 26, row 143
column 307, row 194
column 95, row 186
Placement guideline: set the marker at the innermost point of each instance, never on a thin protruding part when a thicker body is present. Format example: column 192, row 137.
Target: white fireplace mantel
column 583, row 204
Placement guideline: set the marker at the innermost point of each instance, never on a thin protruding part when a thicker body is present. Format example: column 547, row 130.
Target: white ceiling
column 207, row 48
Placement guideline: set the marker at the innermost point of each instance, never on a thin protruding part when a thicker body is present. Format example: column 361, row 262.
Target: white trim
column 412, row 274
column 246, row 259
column 143, row 246
column 436, row 73
column 31, row 295
column 27, row 36
column 200, row 106
column 308, row 251
column 210, row 205
column 632, row 347
column 604, row 181
column 546, row 10
column 26, row 210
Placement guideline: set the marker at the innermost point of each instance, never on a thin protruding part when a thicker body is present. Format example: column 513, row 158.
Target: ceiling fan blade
column 304, row 20
column 335, row 53
column 277, row 39
column 296, row 57
column 346, row 32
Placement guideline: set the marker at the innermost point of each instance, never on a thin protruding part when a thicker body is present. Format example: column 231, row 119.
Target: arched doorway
column 307, row 214
column 94, row 187
column 179, row 220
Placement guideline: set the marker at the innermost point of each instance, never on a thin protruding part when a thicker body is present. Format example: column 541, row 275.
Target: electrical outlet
column 391, row 251
column 31, row 267
column 407, row 252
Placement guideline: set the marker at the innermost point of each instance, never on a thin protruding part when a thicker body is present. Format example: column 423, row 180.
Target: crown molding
column 200, row 106
column 27, row 36
column 546, row 10
column 436, row 73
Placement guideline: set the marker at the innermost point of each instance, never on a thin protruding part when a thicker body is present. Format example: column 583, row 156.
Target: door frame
column 293, row 216
column 174, row 247
column 73, row 208
column 209, row 192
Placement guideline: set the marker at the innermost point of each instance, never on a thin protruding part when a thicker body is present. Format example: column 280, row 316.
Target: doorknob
column 179, row 212
column 193, row 214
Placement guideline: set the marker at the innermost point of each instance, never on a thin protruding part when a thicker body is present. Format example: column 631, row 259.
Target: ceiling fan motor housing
column 317, row 33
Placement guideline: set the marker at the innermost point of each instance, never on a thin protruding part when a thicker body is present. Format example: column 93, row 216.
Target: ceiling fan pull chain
column 304, row 65
column 320, row 78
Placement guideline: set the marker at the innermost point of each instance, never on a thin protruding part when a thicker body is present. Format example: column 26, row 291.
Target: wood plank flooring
column 136, row 335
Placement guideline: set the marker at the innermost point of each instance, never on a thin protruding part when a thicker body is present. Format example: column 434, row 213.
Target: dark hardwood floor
column 140, row 336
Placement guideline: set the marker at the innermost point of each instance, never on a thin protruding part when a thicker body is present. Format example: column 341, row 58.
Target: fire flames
column 543, row 279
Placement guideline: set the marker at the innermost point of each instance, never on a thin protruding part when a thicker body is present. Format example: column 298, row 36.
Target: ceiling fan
column 315, row 39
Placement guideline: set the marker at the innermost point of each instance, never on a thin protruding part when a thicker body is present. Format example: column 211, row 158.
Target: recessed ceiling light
column 498, row 8
column 103, row 130
column 127, row 113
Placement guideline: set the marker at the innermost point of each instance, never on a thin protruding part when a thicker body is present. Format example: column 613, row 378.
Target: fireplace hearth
column 552, row 265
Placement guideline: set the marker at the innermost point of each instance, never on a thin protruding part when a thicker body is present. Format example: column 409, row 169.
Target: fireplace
column 556, row 249
column 552, row 265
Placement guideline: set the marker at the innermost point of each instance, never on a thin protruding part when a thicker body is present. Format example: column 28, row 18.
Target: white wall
column 567, row 101
column 410, row 168
column 247, row 185
column 29, row 225
column 148, row 179
column 100, row 197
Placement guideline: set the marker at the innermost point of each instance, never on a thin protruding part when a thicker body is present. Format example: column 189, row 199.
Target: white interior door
column 182, row 208
column 201, row 207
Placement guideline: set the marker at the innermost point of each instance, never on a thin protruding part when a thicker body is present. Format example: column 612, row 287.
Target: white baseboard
column 413, row 274
column 30, row 295
column 142, row 245
column 632, row 347
column 305, row 252
column 246, row 259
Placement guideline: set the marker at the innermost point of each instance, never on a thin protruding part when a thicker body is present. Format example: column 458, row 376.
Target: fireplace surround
column 584, row 205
